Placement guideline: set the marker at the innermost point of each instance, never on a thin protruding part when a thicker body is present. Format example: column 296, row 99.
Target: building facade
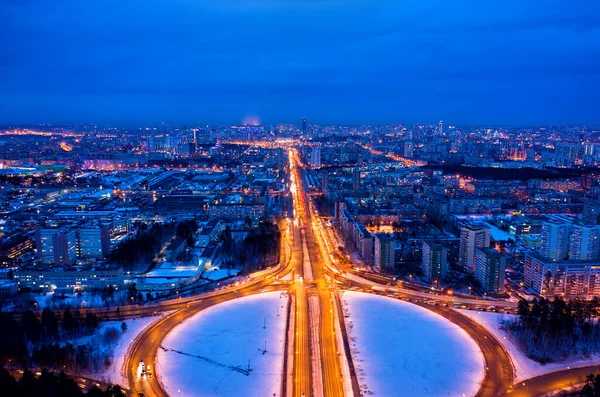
column 569, row 278
column 472, row 236
column 434, row 262
column 490, row 268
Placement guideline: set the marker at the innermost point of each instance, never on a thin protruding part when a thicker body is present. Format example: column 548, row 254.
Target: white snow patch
column 525, row 368
column 498, row 234
column 134, row 326
column 402, row 349
column 230, row 334
column 217, row 273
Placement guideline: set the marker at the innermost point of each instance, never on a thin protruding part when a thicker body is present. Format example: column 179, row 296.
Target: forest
column 51, row 341
column 556, row 330
column 258, row 250
column 136, row 254
column 49, row 384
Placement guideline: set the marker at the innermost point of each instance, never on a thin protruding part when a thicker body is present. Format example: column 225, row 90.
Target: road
column 312, row 259
column 545, row 384
column 331, row 372
column 303, row 379
column 499, row 373
column 145, row 346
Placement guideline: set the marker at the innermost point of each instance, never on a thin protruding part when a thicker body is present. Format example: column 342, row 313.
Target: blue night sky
column 332, row 61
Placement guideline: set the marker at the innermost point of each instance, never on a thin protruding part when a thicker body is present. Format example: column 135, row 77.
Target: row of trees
column 136, row 254
column 186, row 229
column 16, row 336
column 259, row 249
column 49, row 384
column 554, row 330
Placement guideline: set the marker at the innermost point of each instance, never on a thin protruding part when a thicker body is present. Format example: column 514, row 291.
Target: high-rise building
column 434, row 262
column 551, row 277
column 555, row 239
column 364, row 242
column 490, row 266
column 280, row 159
column 356, row 179
column 58, row 246
column 44, row 243
column 584, row 241
column 94, row 241
column 472, row 236
column 441, row 127
column 409, row 149
column 315, row 157
column 567, row 154
column 591, row 213
column 303, row 125
column 324, row 181
column 384, row 252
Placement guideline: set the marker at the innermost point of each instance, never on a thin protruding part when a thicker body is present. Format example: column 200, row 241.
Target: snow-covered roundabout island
column 400, row 349
column 210, row 353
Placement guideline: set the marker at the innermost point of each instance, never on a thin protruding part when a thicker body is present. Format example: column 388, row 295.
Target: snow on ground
column 169, row 269
column 224, row 336
column 400, row 349
column 56, row 301
column 525, row 368
column 114, row 373
column 160, row 280
column 498, row 234
column 216, row 273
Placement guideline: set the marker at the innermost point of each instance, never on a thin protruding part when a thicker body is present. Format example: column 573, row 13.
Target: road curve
column 499, row 372
column 145, row 346
column 546, row 384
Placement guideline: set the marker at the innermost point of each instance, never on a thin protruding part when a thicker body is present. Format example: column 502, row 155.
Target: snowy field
column 525, row 368
column 213, row 343
column 400, row 349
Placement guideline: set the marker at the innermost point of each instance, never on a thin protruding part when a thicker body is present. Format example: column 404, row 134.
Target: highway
column 302, row 347
column 311, row 257
column 331, row 373
column 499, row 372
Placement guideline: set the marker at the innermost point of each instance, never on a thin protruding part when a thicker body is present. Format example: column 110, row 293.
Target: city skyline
column 299, row 198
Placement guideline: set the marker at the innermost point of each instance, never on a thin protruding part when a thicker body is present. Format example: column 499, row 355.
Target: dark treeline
column 137, row 253
column 554, row 330
column 523, row 174
column 49, row 384
column 591, row 387
column 32, row 341
column 186, row 229
column 259, row 249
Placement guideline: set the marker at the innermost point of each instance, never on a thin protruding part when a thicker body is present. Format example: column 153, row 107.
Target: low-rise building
column 50, row 278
